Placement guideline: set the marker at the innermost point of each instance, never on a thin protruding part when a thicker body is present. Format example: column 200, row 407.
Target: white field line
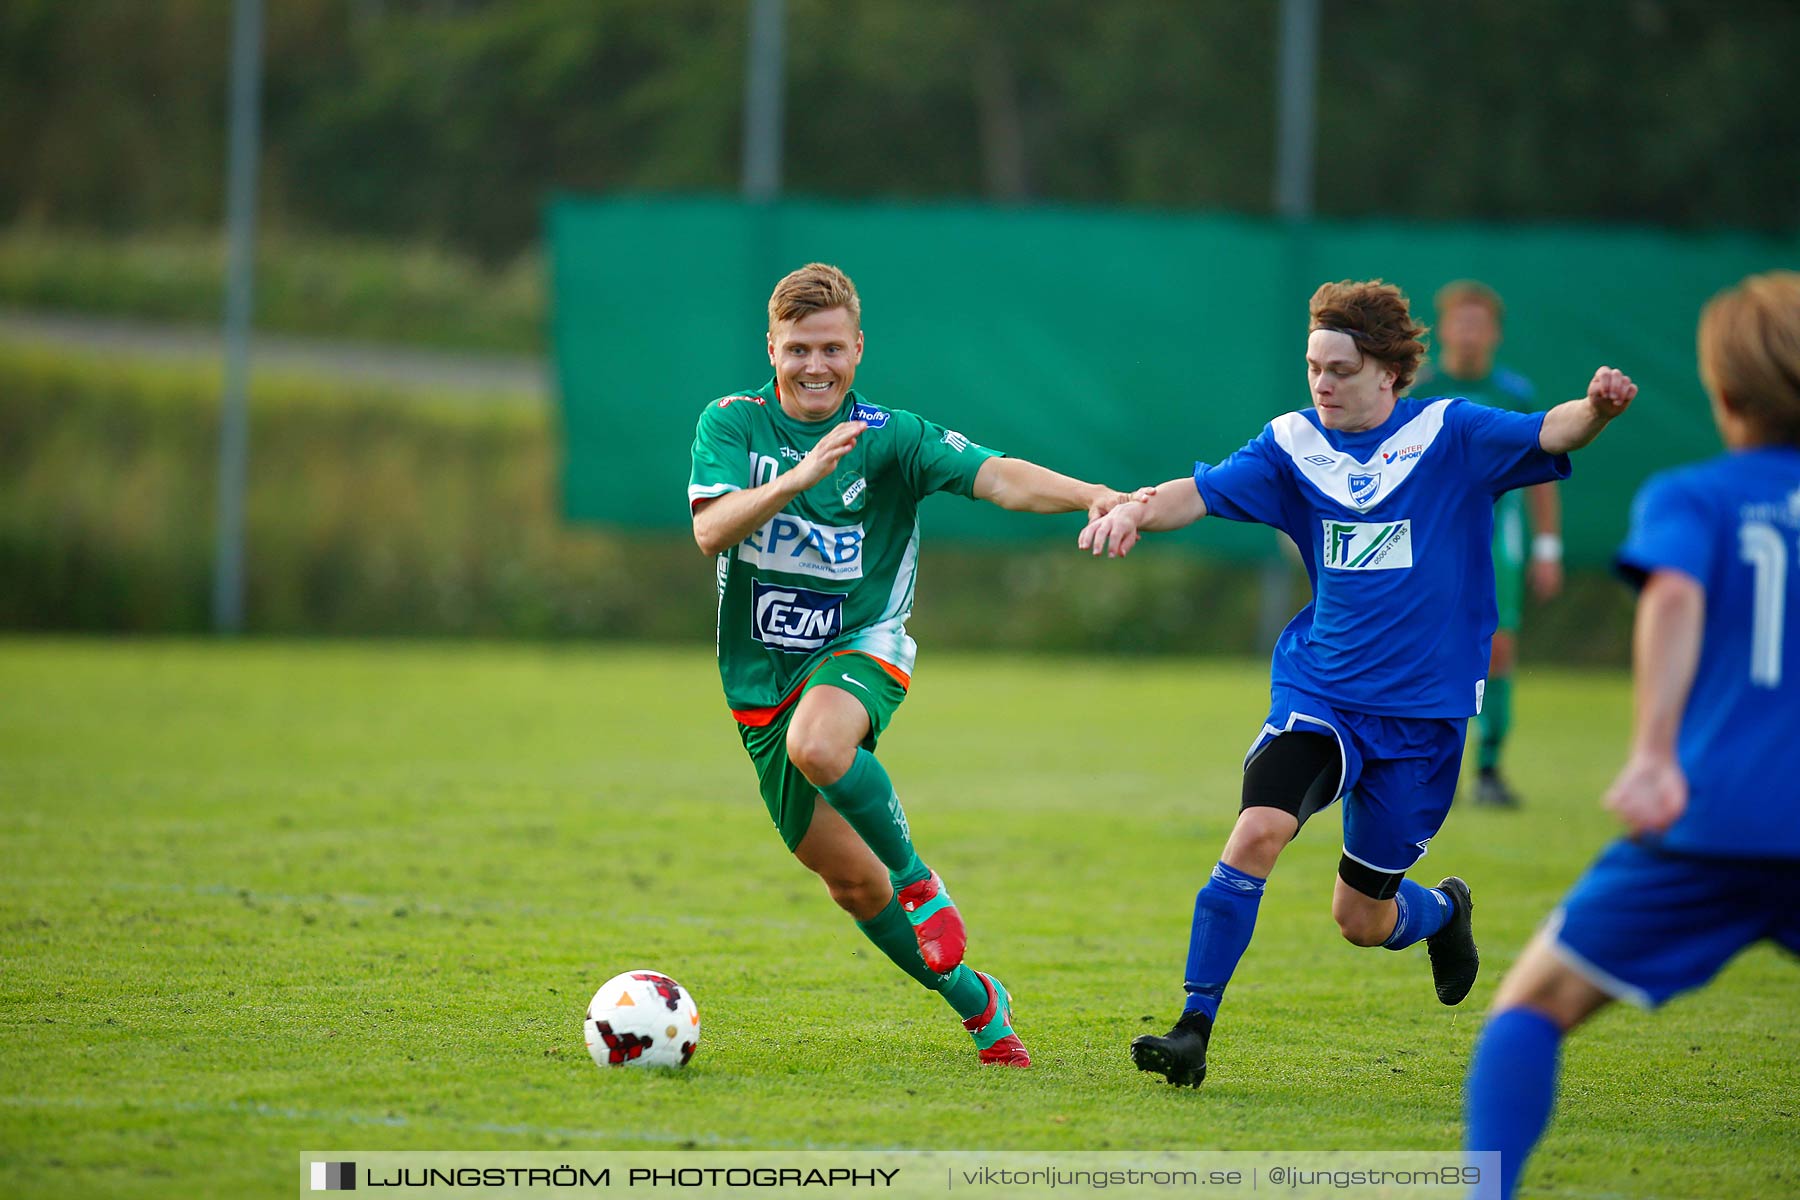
column 388, row 1121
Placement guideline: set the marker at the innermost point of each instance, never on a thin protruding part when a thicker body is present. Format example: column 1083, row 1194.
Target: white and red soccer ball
column 642, row 1019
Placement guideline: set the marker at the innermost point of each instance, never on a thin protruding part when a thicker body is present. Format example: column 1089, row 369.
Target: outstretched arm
column 1546, row 542
column 1573, row 425
column 1020, row 486
column 722, row 523
column 1174, row 505
column 1651, row 792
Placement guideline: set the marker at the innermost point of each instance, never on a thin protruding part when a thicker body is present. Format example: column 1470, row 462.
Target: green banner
column 1114, row 346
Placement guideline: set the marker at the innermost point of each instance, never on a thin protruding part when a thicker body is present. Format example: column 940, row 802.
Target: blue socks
column 1422, row 912
column 1224, row 917
column 1512, row 1088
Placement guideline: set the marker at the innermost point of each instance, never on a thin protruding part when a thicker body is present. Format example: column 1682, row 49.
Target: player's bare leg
column 1443, row 919
column 1362, row 921
column 1258, row 839
column 1543, row 982
column 836, row 853
column 828, row 726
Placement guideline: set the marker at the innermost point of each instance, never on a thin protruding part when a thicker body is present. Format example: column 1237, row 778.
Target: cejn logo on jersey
column 1358, row 546
column 801, row 547
column 794, row 618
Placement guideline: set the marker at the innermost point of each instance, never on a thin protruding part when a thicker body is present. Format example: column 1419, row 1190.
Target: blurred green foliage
column 305, row 285
column 448, row 121
column 373, row 511
column 368, row 511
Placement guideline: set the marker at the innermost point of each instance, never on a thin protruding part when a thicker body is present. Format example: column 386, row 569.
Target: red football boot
column 995, row 1042
column 935, row 922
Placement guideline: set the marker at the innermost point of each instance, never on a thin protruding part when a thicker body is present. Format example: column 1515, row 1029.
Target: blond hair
column 1749, row 343
column 813, row 288
column 1376, row 317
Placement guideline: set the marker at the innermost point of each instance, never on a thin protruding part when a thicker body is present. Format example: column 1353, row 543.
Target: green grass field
column 267, row 897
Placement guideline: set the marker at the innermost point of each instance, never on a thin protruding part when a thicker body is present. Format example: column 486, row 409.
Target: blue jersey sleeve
column 1250, row 485
column 1502, row 447
column 1670, row 530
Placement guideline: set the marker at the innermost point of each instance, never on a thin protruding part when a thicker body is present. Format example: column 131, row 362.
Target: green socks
column 865, row 798
column 964, row 991
column 1494, row 722
column 893, row 935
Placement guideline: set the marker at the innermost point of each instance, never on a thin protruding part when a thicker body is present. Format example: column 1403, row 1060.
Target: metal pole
column 764, row 83
column 1296, row 109
column 240, row 206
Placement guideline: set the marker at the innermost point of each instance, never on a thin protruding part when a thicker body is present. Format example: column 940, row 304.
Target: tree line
column 451, row 120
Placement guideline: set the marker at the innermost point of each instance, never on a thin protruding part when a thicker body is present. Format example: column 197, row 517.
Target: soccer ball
column 642, row 1019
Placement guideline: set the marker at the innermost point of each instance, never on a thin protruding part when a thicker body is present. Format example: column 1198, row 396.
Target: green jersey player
column 807, row 493
column 1468, row 333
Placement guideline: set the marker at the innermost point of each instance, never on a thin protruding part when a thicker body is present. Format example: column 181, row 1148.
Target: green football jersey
column 1500, row 389
column 834, row 570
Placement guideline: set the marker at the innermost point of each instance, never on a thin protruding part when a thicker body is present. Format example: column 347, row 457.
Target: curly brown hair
column 1377, row 318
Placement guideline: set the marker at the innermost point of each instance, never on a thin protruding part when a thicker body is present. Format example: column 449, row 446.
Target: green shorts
column 787, row 793
column 1509, row 560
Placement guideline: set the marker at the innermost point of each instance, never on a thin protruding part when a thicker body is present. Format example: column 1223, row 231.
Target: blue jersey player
column 1711, row 792
column 1390, row 502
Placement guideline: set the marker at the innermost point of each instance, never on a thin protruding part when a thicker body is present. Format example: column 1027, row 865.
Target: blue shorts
column 1398, row 776
column 1645, row 925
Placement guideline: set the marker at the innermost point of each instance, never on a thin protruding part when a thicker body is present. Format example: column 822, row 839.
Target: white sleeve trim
column 710, row 491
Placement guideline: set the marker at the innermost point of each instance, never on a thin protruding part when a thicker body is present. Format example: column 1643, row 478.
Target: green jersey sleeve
column 721, row 455
column 935, row 459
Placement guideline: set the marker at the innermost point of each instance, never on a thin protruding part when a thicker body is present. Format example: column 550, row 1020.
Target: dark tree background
column 449, row 120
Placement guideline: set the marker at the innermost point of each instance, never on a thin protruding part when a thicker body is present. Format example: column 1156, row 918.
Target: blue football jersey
column 1733, row 524
column 1394, row 525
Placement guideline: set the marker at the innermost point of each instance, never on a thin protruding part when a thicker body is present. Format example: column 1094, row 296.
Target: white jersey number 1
column 1762, row 546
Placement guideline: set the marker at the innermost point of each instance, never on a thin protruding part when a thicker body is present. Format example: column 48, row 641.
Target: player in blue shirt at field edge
column 1710, row 794
column 1390, row 502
